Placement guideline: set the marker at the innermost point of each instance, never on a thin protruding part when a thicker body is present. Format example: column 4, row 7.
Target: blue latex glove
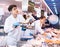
column 31, row 34
column 16, row 24
column 23, row 28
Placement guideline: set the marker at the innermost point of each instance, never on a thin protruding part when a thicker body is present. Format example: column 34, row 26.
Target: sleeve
column 33, row 24
column 38, row 28
column 7, row 26
column 32, row 18
column 27, row 21
column 21, row 19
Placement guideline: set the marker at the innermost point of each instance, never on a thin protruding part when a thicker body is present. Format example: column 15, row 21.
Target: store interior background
column 50, row 6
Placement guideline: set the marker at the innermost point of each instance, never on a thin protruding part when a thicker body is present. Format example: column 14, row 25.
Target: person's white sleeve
column 27, row 20
column 7, row 27
column 33, row 24
column 21, row 19
column 40, row 30
column 32, row 18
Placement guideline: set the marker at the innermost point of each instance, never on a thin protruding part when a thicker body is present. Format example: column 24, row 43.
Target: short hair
column 10, row 7
column 42, row 17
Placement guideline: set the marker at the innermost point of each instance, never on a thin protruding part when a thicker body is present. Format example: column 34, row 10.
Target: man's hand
column 15, row 25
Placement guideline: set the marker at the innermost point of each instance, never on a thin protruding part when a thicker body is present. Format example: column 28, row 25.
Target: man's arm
column 8, row 27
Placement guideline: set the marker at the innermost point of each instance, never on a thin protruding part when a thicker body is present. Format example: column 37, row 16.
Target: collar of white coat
column 13, row 16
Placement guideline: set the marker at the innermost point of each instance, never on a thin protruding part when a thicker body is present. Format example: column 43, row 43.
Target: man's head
column 13, row 9
column 43, row 19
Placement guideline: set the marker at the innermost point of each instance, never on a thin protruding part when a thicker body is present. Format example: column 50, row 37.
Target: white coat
column 37, row 24
column 26, row 34
column 14, row 34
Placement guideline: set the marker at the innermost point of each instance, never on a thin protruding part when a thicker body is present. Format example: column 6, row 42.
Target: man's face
column 14, row 11
column 44, row 20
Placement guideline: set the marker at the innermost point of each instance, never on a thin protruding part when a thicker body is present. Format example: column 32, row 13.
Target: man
column 12, row 26
column 38, row 25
